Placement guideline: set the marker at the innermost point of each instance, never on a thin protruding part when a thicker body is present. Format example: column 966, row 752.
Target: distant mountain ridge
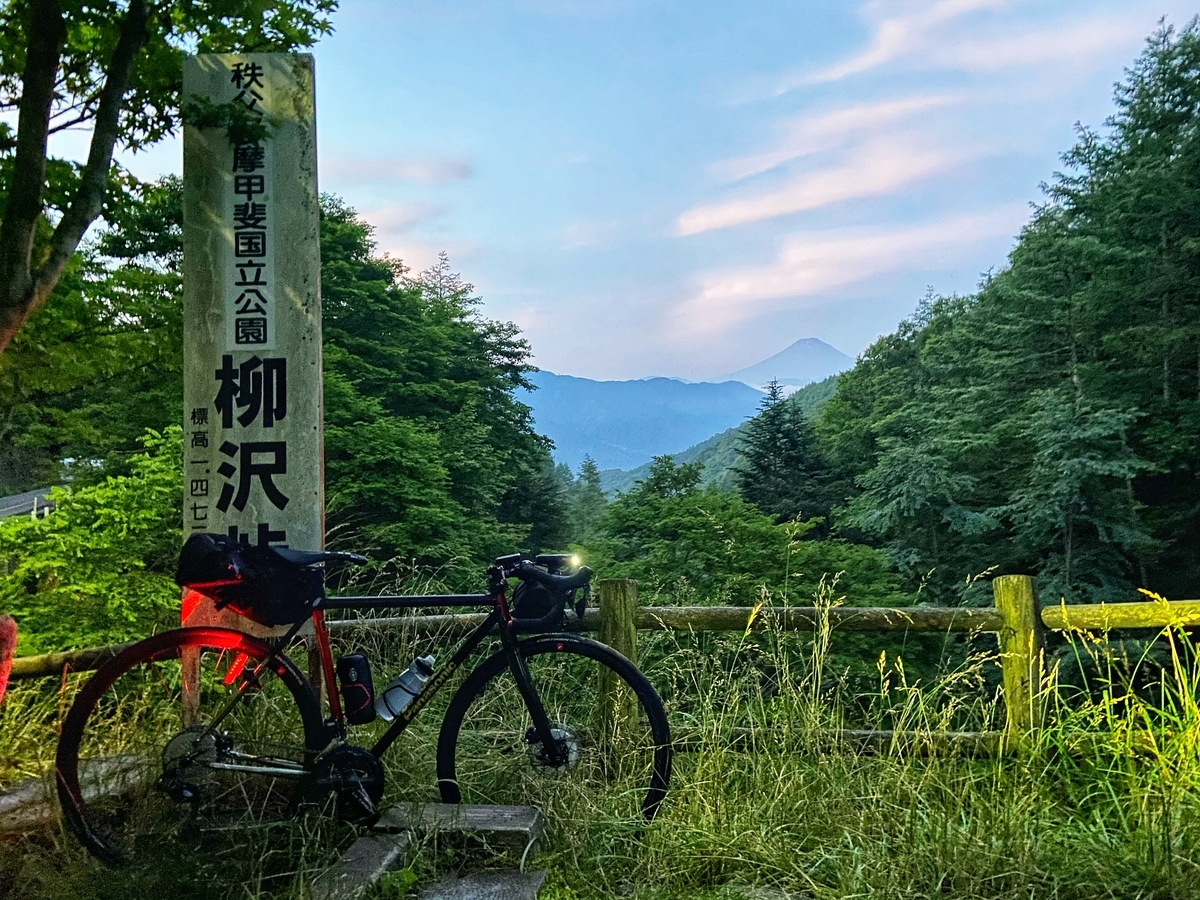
column 806, row 361
column 719, row 453
column 622, row 424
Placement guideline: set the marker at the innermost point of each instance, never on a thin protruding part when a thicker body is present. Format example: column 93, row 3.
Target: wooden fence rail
column 1016, row 618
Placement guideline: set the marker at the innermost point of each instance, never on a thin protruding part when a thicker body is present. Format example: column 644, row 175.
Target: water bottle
column 394, row 698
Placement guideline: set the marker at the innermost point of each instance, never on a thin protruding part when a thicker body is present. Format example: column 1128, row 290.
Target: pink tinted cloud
column 830, row 129
column 879, row 167
column 1066, row 43
column 929, row 37
column 400, row 217
column 893, row 36
column 813, row 263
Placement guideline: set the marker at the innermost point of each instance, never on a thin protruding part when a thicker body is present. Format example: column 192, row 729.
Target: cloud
column 877, row 168
column 430, row 170
column 419, row 254
column 1068, row 43
column 923, row 37
column 813, row 263
column 398, row 234
column 401, row 217
column 893, row 37
column 830, row 129
column 590, row 233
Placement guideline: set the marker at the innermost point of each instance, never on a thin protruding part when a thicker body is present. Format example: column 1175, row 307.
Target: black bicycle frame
column 500, row 616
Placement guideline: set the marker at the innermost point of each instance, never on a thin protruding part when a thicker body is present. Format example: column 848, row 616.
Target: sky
column 686, row 188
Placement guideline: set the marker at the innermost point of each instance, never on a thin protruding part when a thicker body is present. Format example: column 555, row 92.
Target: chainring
column 349, row 777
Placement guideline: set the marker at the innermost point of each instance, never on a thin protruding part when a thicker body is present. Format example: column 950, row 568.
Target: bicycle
column 208, row 730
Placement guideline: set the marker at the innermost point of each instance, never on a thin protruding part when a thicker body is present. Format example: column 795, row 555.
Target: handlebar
column 515, row 566
column 527, row 571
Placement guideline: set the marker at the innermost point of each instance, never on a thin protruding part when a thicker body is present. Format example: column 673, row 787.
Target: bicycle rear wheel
column 617, row 754
column 140, row 766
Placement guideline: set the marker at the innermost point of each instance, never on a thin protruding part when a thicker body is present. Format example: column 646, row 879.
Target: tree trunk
column 43, row 52
column 21, row 289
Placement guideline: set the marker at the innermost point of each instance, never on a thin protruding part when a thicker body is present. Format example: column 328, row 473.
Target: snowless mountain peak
column 805, row 361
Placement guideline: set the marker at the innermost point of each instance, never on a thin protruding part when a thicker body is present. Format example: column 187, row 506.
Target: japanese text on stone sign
column 251, row 320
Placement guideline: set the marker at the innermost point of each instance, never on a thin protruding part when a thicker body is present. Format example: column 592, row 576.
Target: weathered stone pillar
column 253, row 464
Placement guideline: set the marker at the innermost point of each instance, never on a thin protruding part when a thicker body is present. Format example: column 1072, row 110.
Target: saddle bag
column 254, row 582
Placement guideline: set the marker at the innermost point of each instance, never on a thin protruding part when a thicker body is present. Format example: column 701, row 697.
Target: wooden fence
column 1016, row 618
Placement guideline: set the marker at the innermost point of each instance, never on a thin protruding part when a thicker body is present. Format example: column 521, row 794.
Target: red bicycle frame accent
column 327, row 671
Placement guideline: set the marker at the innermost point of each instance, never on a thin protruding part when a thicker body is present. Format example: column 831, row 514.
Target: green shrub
column 98, row 569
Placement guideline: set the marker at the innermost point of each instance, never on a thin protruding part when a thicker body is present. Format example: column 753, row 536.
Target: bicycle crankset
column 352, row 778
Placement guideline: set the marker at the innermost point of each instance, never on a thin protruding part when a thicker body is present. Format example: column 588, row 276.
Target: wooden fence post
column 1021, row 649
column 618, row 629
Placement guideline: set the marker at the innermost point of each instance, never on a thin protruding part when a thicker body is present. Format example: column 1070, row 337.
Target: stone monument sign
column 252, row 302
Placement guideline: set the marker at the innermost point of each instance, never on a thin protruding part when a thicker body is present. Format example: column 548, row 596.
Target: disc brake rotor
column 564, row 738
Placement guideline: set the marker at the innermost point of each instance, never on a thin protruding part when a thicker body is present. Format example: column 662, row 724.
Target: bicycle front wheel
column 614, row 742
column 194, row 732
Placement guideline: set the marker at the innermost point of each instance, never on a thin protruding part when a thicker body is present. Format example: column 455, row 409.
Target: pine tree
column 585, row 502
column 780, row 470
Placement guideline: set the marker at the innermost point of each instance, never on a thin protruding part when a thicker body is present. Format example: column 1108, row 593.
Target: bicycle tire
column 620, row 758
column 127, row 731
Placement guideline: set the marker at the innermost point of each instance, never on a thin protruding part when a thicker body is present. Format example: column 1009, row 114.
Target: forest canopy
column 1050, row 423
column 1047, row 424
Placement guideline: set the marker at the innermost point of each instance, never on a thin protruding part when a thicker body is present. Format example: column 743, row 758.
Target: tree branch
column 89, row 197
column 47, row 34
column 71, row 123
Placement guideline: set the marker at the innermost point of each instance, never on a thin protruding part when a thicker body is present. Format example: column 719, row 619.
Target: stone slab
column 486, row 886
column 368, row 859
column 24, row 806
column 32, row 804
column 511, row 827
column 252, row 314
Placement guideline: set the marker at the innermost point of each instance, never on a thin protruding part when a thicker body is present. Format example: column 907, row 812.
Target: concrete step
column 505, row 885
column 516, row 828
column 500, row 828
column 25, row 806
column 368, row 859
column 32, row 803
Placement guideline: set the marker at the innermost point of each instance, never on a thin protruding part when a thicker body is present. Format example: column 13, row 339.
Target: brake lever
column 582, row 602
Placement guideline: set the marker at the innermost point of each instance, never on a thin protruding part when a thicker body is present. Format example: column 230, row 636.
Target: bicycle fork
column 554, row 752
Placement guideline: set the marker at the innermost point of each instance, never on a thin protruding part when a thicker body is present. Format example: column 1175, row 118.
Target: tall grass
column 1105, row 802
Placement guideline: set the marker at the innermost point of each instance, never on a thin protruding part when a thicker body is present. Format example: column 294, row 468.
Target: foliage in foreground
column 98, row 569
column 1105, row 804
column 684, row 543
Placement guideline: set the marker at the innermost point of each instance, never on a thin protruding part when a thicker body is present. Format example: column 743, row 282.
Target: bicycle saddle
column 312, row 557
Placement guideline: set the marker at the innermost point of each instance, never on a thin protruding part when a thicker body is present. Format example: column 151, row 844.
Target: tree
column 689, row 543
column 1050, row 423
column 586, row 502
column 1074, row 510
column 429, row 454
column 101, row 361
column 780, row 470
column 116, row 66
column 99, row 569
